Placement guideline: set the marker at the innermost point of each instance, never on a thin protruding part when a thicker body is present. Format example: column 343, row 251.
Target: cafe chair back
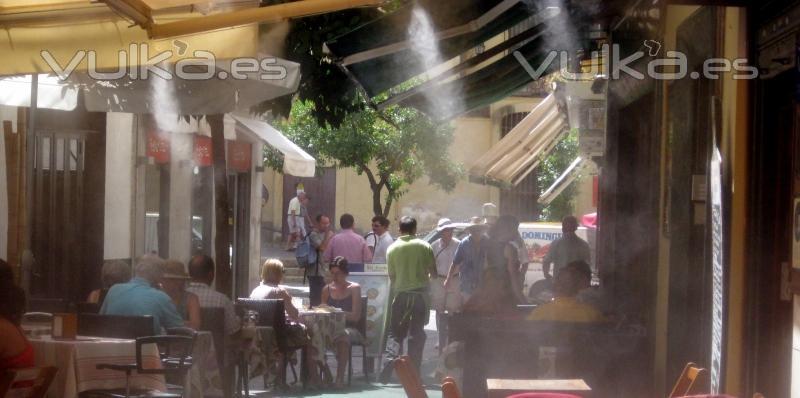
column 51, row 305
column 271, row 313
column 693, row 380
column 175, row 360
column 361, row 327
column 26, row 382
column 409, row 378
column 115, row 326
column 87, row 308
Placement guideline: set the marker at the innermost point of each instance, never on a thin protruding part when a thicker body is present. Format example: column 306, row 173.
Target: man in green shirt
column 411, row 264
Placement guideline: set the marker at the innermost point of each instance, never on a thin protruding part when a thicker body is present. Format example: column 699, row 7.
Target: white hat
column 444, row 223
column 489, row 210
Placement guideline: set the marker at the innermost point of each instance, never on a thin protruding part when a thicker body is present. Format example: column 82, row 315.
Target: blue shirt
column 138, row 297
column 470, row 257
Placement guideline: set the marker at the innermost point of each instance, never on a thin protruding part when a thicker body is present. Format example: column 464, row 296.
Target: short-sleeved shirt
column 294, row 206
column 566, row 309
column 409, row 261
column 565, row 250
column 210, row 298
column 349, row 245
column 444, row 255
column 471, row 257
column 380, row 244
column 138, row 297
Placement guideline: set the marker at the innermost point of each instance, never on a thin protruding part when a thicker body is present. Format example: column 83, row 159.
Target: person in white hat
column 444, row 299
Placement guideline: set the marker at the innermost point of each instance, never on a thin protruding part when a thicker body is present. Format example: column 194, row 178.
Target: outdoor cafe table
column 324, row 326
column 76, row 360
column 509, row 348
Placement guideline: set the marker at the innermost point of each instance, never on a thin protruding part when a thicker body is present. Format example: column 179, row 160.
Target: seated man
column 565, row 307
column 201, row 270
column 141, row 297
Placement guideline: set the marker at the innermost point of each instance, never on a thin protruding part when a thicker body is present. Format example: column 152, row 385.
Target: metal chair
column 175, row 355
column 27, row 382
column 361, row 326
column 271, row 313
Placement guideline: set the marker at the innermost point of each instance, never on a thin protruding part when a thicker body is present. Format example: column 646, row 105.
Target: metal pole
column 28, row 259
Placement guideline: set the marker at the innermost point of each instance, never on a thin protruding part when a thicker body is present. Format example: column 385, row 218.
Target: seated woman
column 271, row 276
column 113, row 272
column 345, row 295
column 15, row 350
column 173, row 283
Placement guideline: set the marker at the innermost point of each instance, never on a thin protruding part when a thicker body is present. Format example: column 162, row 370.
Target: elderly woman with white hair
column 141, row 296
column 113, row 272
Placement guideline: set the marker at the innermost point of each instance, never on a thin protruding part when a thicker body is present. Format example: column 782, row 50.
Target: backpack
column 305, row 253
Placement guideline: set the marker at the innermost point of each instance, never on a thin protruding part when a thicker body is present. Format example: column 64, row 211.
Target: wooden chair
column 27, row 382
column 409, row 378
column 449, row 388
column 693, row 380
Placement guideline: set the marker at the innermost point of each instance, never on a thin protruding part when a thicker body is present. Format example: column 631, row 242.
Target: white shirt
column 444, row 255
column 383, row 243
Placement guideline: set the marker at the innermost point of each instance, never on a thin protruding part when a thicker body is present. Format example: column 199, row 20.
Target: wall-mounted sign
column 240, row 156
column 202, row 151
column 158, row 147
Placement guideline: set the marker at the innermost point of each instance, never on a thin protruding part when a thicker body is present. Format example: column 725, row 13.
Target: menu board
column 374, row 285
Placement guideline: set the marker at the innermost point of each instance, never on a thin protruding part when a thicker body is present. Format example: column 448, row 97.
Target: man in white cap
column 449, row 298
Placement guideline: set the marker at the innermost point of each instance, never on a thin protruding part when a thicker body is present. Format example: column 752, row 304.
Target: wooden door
column 322, row 191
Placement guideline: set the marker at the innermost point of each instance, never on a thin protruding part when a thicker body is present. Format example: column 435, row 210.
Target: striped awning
column 521, row 150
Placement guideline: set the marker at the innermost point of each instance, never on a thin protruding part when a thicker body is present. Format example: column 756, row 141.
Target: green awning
column 377, row 55
column 488, row 85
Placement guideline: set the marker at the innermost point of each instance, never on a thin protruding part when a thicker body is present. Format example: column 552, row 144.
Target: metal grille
column 519, row 201
column 58, row 212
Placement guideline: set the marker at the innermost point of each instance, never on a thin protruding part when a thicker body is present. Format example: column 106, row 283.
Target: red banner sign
column 158, row 147
column 240, row 156
column 202, row 151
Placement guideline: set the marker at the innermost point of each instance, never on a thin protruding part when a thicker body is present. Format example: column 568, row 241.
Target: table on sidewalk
column 77, row 358
column 501, row 388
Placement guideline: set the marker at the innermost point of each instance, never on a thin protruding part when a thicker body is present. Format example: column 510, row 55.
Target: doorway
column 320, row 189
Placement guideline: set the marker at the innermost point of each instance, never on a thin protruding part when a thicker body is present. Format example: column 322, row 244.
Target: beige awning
column 296, row 161
column 520, row 151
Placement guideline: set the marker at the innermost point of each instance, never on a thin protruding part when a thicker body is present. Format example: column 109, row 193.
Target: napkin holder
column 65, row 326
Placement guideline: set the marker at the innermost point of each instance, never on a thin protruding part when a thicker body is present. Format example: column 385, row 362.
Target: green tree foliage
column 392, row 149
column 323, row 83
column 549, row 170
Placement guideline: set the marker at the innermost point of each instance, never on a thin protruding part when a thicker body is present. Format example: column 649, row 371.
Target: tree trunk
column 389, row 201
column 222, row 240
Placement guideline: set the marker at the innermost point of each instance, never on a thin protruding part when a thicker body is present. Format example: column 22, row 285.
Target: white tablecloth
column 77, row 359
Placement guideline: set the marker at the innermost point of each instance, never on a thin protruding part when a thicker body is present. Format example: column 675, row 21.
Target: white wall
column 119, row 186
